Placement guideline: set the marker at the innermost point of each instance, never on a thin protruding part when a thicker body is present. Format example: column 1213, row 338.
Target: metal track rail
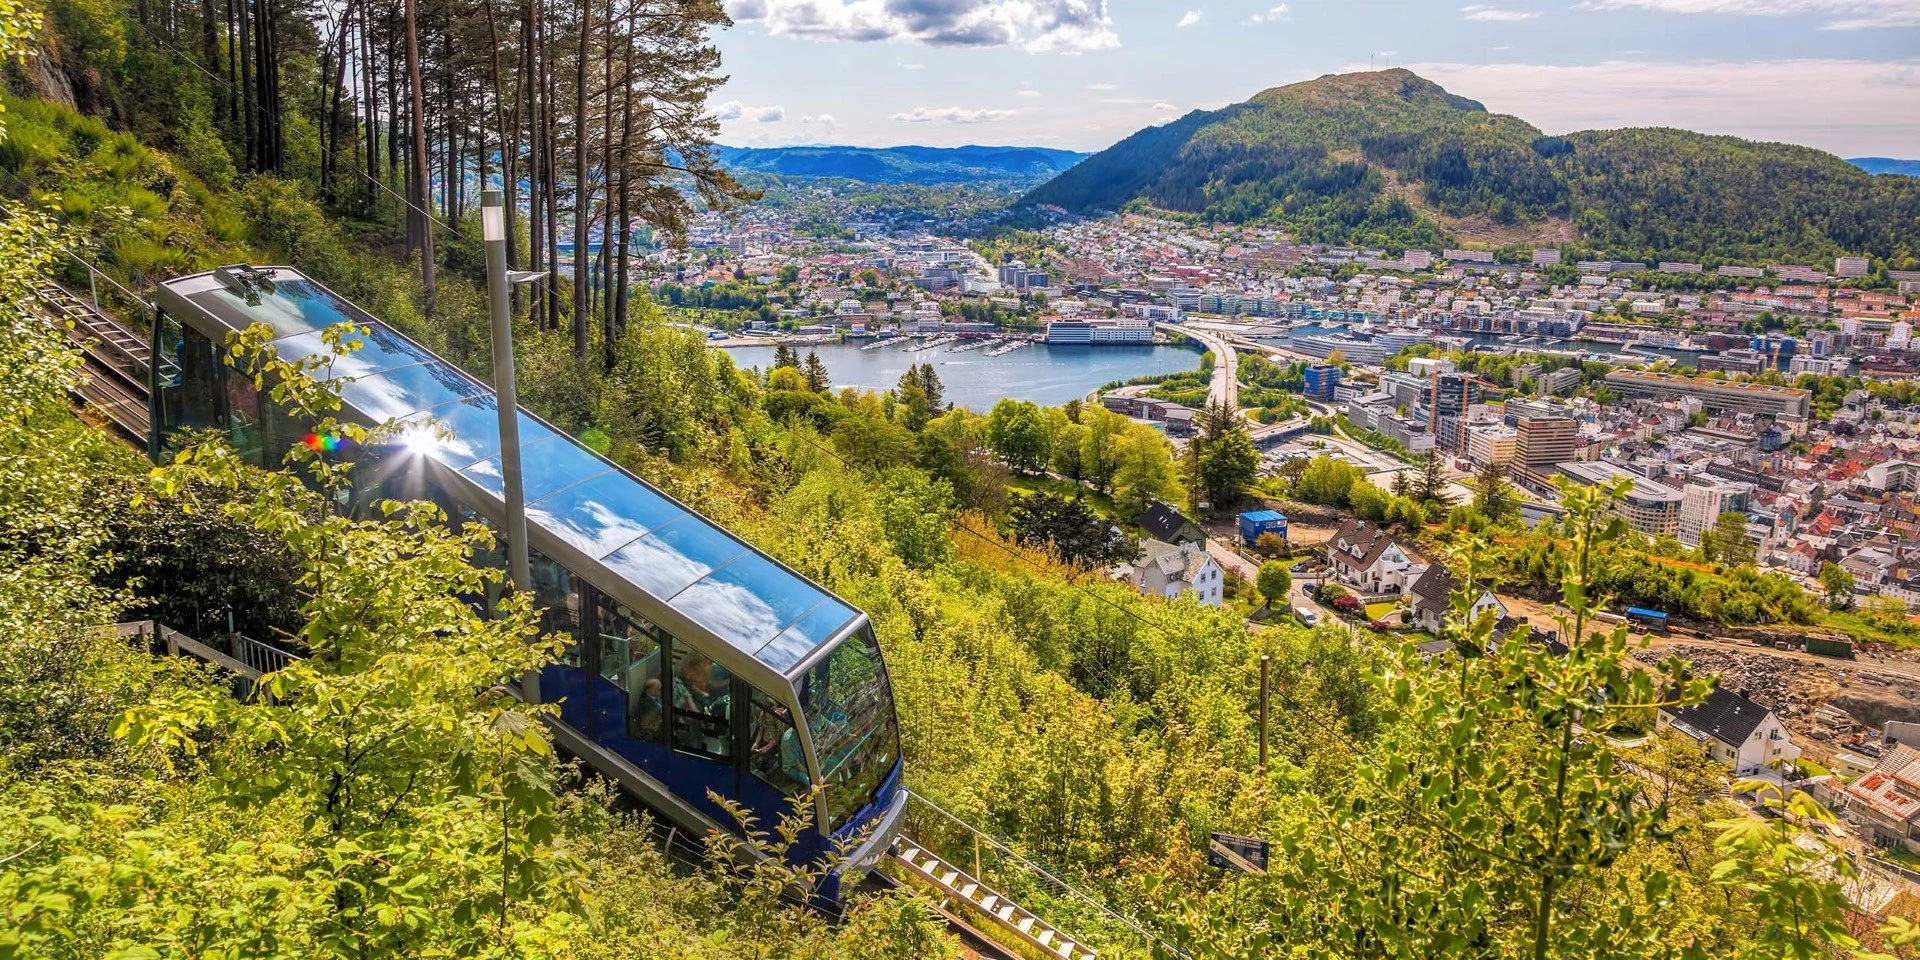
column 114, row 382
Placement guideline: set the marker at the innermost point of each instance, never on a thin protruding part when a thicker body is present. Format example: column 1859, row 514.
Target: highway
column 1225, row 387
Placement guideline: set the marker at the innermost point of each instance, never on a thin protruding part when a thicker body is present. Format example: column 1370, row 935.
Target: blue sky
column 1842, row 75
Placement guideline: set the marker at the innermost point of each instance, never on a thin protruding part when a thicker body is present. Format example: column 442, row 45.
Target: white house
column 1372, row 561
column 1432, row 599
column 1169, row 570
column 1736, row 731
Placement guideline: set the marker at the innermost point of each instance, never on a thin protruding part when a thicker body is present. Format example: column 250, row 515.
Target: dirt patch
column 1818, row 702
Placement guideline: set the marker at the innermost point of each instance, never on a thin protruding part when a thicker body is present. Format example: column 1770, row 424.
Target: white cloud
column 1027, row 93
column 824, row 119
column 1038, row 26
column 952, row 115
column 1163, row 106
column 735, row 110
column 1484, row 13
column 1103, row 86
column 1785, row 100
column 1837, row 14
column 910, row 66
column 1191, row 17
column 1275, row 12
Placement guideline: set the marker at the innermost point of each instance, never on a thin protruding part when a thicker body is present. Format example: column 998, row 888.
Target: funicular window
column 631, row 656
column 702, row 704
column 557, row 595
column 776, row 757
column 849, row 710
column 191, row 379
column 243, row 418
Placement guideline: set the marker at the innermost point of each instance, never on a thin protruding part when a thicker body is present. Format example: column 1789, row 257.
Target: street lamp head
column 524, row 276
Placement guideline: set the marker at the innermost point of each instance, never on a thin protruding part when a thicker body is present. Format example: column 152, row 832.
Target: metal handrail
column 1077, row 893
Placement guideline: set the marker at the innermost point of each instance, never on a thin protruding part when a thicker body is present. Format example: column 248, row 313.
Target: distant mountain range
column 1388, row 158
column 921, row 165
column 1905, row 168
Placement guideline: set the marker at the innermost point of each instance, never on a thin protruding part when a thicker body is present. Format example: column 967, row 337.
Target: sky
column 1841, row 75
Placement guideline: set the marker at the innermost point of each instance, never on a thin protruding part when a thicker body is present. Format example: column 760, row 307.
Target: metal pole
column 1266, row 663
column 493, row 226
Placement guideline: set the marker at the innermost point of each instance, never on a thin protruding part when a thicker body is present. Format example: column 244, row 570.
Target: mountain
column 924, row 165
column 1390, row 158
column 1905, row 168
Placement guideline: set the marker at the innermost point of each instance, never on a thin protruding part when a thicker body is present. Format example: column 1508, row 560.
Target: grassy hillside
column 1390, row 158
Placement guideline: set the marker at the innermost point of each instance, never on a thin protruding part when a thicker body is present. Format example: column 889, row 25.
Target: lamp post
column 493, row 229
column 493, row 232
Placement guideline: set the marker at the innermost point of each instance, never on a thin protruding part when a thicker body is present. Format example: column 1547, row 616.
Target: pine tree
column 816, row 372
column 1431, row 487
column 783, row 356
column 1494, row 496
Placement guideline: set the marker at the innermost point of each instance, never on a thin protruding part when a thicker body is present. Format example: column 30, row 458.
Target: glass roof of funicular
column 638, row 534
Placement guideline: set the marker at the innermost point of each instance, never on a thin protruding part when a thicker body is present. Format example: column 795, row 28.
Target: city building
column 1558, row 382
column 1718, row 396
column 1650, row 508
column 1735, row 731
column 1845, row 267
column 1701, row 505
column 1885, row 803
column 1256, row 523
column 1322, row 380
column 1545, row 257
column 1541, row 442
column 1169, row 570
column 1371, row 560
column 1491, row 442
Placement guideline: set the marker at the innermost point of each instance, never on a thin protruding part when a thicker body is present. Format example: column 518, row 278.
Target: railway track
column 113, row 384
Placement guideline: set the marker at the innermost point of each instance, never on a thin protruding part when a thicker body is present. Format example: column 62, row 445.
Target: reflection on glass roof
column 296, row 305
column 545, row 466
column 474, row 428
column 395, row 393
column 747, row 602
column 785, row 651
column 672, row 558
column 601, row 514
column 633, row 530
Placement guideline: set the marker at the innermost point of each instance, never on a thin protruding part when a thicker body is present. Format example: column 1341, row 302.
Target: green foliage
column 1017, row 431
column 1838, row 584
column 1274, row 582
column 1328, row 481
column 1070, row 530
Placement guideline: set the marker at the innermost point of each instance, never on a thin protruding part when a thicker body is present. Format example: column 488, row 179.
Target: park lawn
column 1101, row 503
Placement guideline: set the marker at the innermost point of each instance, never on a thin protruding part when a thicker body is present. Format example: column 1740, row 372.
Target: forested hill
column 907, row 164
column 1390, row 158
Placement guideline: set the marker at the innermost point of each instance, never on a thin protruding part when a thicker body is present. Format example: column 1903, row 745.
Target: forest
column 1390, row 159
column 384, row 799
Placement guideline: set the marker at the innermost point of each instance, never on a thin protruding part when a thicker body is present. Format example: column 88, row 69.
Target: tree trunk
column 536, row 166
column 424, row 236
column 626, row 200
column 582, row 196
column 249, row 127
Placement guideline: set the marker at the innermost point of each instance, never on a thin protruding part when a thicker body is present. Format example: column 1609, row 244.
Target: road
column 1225, row 387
